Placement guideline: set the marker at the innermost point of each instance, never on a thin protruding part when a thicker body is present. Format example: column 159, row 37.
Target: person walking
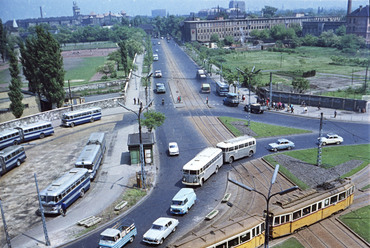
column 335, row 113
column 134, row 101
column 64, row 209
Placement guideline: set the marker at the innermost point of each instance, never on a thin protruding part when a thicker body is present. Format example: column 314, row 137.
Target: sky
column 23, row 9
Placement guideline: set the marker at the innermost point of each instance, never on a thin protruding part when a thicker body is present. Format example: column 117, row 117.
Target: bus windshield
column 48, row 198
column 191, row 172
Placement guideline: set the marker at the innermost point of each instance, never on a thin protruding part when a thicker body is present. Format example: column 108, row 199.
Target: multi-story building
column 237, row 5
column 358, row 22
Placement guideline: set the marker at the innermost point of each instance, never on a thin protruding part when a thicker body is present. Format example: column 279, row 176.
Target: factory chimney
column 349, row 7
column 41, row 11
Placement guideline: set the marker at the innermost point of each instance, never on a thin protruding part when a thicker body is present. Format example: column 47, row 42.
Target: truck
column 118, row 235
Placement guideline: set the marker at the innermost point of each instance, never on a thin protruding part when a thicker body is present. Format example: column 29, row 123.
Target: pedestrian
column 292, row 109
column 207, row 100
column 243, row 97
column 318, row 107
column 335, row 113
column 134, row 101
column 64, row 209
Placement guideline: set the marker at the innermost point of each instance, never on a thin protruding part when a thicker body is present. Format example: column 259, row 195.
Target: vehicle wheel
column 132, row 239
column 42, row 135
column 289, row 147
column 251, row 153
column 338, row 143
column 15, row 142
column 18, row 163
column 61, row 211
column 92, row 120
column 202, row 182
column 174, row 229
column 161, row 242
column 275, row 149
column 82, row 193
column 231, row 159
column 216, row 170
column 72, row 124
column 323, row 143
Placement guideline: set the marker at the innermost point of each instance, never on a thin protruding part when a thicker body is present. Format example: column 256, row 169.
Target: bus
column 222, row 88
column 92, row 155
column 35, row 130
column 68, row 188
column 202, row 166
column 10, row 157
column 9, row 137
column 72, row 118
column 237, row 148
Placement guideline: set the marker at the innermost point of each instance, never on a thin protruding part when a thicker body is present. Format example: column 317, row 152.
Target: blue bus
column 9, row 137
column 11, row 157
column 68, row 188
column 35, row 130
column 222, row 88
column 72, row 118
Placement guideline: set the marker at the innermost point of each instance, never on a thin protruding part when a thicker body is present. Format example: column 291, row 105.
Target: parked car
column 158, row 74
column 231, row 99
column 160, row 88
column 256, row 108
column 183, row 201
column 331, row 138
column 160, row 230
column 281, row 144
column 201, row 74
column 206, row 88
column 173, row 149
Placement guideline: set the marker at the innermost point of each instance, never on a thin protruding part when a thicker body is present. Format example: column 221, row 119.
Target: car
column 160, row 230
column 159, row 42
column 255, row 108
column 231, row 99
column 158, row 74
column 201, row 74
column 281, row 144
column 160, row 88
column 173, row 149
column 331, row 138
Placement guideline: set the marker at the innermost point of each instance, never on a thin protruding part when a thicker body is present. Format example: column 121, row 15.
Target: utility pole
column 270, row 102
column 319, row 148
column 70, row 95
column 5, row 226
column 47, row 241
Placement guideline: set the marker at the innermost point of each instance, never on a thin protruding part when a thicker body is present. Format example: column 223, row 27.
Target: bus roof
column 81, row 111
column 222, row 84
column 36, row 124
column 202, row 158
column 60, row 184
column 88, row 154
column 96, row 137
column 9, row 149
column 235, row 141
column 8, row 131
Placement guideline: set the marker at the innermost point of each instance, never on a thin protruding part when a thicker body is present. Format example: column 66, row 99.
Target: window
column 333, row 199
column 233, row 242
column 282, row 219
column 326, row 202
column 262, row 227
column 319, row 205
column 306, row 211
column 313, row 207
column 221, row 245
column 258, row 230
column 342, row 196
column 253, row 232
column 297, row 215
column 287, row 218
column 245, row 237
column 277, row 220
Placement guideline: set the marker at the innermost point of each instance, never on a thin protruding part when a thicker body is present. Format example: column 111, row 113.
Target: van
column 206, row 88
column 183, row 201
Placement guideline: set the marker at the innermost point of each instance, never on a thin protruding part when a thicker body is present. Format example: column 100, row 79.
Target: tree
column 269, row 11
column 43, row 66
column 15, row 93
column 300, row 84
column 3, row 41
column 116, row 57
column 214, row 38
column 229, row 40
column 107, row 68
column 153, row 120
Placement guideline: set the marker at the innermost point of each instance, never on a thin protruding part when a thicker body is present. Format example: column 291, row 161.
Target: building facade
column 358, row 23
column 237, row 5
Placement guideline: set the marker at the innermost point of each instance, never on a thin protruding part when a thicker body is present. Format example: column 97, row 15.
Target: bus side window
column 241, row 146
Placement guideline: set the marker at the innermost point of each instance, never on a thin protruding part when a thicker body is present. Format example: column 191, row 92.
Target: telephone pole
column 319, row 150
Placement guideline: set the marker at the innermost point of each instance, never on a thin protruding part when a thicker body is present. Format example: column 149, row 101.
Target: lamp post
column 146, row 87
column 267, row 198
column 141, row 151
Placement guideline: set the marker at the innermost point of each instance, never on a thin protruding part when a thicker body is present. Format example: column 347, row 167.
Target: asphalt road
column 178, row 128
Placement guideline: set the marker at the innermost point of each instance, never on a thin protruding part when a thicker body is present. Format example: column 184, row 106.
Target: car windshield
column 157, row 227
column 172, row 146
column 177, row 203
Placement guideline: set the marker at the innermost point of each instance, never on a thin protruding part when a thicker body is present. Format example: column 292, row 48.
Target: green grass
column 88, row 45
column 289, row 243
column 366, row 187
column 4, row 76
column 359, row 222
column 345, row 94
column 82, row 69
column 261, row 129
column 133, row 195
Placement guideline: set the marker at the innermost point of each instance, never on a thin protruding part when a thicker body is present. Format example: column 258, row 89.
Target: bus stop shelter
column 133, row 144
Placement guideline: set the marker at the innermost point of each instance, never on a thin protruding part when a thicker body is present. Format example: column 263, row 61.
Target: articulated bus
column 72, row 118
column 222, row 88
column 92, row 155
column 9, row 137
column 68, row 188
column 237, row 148
column 10, row 157
column 202, row 166
column 35, row 130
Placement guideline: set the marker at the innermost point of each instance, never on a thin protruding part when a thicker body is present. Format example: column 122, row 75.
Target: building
column 316, row 28
column 358, row 22
column 159, row 12
column 237, row 5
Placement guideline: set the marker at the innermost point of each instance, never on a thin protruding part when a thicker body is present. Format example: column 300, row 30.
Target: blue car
column 280, row 144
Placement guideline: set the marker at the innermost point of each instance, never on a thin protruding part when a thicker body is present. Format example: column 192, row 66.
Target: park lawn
column 82, row 72
column 359, row 221
column 88, row 45
column 261, row 129
column 289, row 243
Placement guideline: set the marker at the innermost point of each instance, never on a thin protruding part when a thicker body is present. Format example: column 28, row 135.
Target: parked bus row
column 208, row 161
column 73, row 184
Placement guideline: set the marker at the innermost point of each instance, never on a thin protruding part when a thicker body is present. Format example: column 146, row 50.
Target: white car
column 331, row 138
column 158, row 73
column 160, row 230
column 173, row 149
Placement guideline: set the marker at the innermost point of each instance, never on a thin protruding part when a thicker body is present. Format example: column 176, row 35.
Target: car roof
column 172, row 143
column 283, row 140
column 232, row 94
column 163, row 220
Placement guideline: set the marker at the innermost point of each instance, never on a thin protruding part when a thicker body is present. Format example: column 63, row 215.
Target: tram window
column 296, row 215
column 287, row 218
column 277, row 220
column 245, row 237
column 342, row 196
column 258, row 230
column 233, row 242
column 282, row 219
column 262, row 227
column 319, row 205
column 334, row 199
column 253, row 232
column 221, row 246
column 326, row 202
column 306, row 211
column 313, row 207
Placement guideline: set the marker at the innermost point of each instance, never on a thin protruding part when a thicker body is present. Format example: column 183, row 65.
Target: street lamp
column 267, row 198
column 142, row 160
column 146, row 87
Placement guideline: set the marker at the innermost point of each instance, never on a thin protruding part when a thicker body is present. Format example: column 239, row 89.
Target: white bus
column 72, row 118
column 9, row 137
column 237, row 148
column 222, row 88
column 68, row 188
column 35, row 130
column 92, row 155
column 10, row 157
column 202, row 166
